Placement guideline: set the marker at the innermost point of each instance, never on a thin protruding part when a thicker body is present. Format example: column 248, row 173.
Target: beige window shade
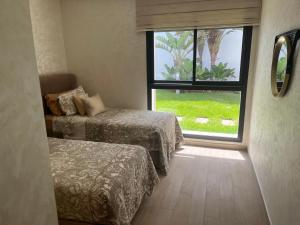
column 179, row 14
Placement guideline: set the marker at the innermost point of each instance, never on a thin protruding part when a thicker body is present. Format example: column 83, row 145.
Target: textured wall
column 104, row 50
column 275, row 126
column 251, row 76
column 48, row 36
column 26, row 196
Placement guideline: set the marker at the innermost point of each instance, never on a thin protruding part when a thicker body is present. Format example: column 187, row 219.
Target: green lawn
column 215, row 106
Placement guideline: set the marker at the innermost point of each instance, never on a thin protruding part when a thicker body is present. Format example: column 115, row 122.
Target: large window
column 201, row 76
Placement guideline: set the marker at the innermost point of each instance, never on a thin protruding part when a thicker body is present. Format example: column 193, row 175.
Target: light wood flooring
column 205, row 187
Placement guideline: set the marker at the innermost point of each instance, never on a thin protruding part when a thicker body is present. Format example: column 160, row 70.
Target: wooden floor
column 205, row 187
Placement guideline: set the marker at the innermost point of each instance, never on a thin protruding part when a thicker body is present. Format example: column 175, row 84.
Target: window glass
column 213, row 106
column 209, row 113
column 219, row 54
column 173, row 55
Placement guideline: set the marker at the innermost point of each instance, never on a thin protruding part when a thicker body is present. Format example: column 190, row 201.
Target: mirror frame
column 277, row 48
column 291, row 38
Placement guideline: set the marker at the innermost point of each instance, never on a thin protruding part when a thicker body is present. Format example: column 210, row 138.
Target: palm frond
column 164, row 47
column 171, row 40
column 184, row 39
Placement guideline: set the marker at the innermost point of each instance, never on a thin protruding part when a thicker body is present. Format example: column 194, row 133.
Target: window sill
column 215, row 144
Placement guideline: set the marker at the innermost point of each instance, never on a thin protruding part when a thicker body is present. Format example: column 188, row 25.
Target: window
column 173, row 56
column 201, row 76
column 219, row 54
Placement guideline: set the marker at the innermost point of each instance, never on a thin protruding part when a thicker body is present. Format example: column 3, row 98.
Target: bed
column 99, row 183
column 158, row 132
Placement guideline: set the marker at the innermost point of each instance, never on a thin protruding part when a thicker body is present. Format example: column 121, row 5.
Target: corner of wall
column 48, row 36
column 250, row 86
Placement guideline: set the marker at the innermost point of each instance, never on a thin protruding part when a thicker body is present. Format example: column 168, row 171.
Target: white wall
column 104, row 50
column 48, row 36
column 26, row 189
column 275, row 124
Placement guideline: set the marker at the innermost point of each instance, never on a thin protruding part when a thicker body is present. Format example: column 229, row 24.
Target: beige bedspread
column 158, row 132
column 100, row 183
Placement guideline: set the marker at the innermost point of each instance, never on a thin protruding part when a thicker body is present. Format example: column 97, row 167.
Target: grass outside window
column 202, row 111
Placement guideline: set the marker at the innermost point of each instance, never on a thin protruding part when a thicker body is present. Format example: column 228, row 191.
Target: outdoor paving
column 228, row 122
column 179, row 118
column 202, row 120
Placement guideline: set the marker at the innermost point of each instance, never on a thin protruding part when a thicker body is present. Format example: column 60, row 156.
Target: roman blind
column 182, row 14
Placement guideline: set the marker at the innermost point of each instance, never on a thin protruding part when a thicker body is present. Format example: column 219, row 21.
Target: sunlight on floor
column 191, row 152
column 184, row 156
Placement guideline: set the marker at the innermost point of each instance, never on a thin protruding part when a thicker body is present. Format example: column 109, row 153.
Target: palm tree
column 219, row 72
column 214, row 40
column 179, row 45
column 201, row 39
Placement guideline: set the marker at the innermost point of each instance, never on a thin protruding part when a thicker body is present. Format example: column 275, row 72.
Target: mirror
column 280, row 76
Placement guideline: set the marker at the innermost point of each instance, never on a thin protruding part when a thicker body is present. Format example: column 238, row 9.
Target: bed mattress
column 100, row 183
column 158, row 132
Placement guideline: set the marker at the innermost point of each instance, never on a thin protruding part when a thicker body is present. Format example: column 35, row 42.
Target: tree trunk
column 213, row 58
column 177, row 78
column 214, row 41
column 200, row 45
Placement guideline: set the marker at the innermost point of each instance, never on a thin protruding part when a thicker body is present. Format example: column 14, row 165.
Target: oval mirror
column 280, row 76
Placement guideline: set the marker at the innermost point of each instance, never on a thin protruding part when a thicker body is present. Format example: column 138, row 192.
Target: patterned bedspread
column 100, row 183
column 158, row 132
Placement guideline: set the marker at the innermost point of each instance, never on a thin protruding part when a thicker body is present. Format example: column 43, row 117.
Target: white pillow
column 93, row 105
column 77, row 100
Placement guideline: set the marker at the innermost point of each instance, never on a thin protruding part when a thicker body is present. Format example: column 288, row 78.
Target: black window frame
column 240, row 85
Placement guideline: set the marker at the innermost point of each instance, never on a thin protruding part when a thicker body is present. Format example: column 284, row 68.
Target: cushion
column 66, row 100
column 93, row 105
column 52, row 104
column 77, row 99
